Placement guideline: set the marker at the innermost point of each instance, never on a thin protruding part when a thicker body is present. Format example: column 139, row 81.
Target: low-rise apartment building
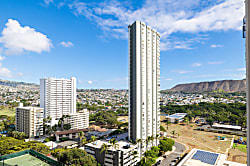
column 121, row 155
column 79, row 120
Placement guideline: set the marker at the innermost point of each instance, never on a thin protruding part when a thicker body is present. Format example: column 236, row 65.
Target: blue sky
column 201, row 40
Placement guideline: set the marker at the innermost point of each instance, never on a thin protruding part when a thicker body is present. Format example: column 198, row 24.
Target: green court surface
column 24, row 160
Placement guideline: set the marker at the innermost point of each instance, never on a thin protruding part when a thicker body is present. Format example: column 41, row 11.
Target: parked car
column 172, row 164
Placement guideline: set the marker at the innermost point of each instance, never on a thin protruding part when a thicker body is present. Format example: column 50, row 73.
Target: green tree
column 74, row 157
column 162, row 128
column 93, row 138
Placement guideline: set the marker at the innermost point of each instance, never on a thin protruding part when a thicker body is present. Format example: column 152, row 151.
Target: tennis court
column 24, row 160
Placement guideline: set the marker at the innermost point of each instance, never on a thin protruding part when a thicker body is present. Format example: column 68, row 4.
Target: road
column 178, row 151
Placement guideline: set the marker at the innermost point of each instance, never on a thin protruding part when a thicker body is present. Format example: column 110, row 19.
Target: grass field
column 205, row 140
column 24, row 160
column 7, row 112
column 241, row 147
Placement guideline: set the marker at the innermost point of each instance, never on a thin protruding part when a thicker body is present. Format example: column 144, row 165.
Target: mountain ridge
column 208, row 86
column 16, row 83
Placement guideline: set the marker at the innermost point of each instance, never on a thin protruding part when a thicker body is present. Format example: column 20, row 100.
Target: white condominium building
column 144, row 83
column 58, row 97
column 79, row 120
column 123, row 154
column 29, row 120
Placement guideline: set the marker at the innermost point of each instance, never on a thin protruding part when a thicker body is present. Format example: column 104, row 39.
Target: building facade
column 122, row 155
column 246, row 34
column 29, row 120
column 58, row 97
column 79, row 120
column 144, row 83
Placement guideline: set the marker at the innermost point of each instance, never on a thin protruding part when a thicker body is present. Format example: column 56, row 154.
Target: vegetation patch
column 7, row 112
column 241, row 147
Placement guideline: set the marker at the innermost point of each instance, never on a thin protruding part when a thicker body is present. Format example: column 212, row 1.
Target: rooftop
column 177, row 115
column 227, row 126
column 123, row 145
column 70, row 131
column 205, row 158
column 67, row 143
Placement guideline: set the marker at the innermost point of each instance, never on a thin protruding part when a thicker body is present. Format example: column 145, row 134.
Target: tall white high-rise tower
column 58, row 97
column 144, row 83
column 246, row 34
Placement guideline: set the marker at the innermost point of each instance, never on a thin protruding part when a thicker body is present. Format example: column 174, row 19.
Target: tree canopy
column 228, row 113
column 11, row 145
column 74, row 157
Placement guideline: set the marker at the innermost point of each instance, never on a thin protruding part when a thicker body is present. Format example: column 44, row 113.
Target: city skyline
column 89, row 40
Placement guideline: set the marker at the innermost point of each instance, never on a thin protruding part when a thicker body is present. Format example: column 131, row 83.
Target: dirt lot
column 237, row 156
column 204, row 140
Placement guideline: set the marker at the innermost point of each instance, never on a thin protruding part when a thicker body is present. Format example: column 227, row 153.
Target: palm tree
column 62, row 120
column 156, row 137
column 81, row 134
column 93, row 138
column 113, row 141
column 147, row 141
column 173, row 133
column 134, row 154
column 84, row 141
column 138, row 141
column 168, row 124
column 45, row 123
column 114, row 144
column 186, row 120
column 143, row 161
column 104, row 149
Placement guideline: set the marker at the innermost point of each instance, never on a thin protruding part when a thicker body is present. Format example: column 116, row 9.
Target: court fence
column 34, row 153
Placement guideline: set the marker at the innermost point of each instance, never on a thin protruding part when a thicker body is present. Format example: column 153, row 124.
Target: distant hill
column 16, row 84
column 223, row 85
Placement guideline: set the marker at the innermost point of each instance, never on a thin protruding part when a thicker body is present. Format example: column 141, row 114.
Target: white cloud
column 66, row 44
column 239, row 69
column 215, row 62
column 168, row 79
column 2, row 58
column 166, row 16
column 90, row 82
column 20, row 74
column 237, row 76
column 181, row 71
column 196, row 64
column 203, row 76
column 216, row 46
column 17, row 39
column 47, row 2
column 4, row 72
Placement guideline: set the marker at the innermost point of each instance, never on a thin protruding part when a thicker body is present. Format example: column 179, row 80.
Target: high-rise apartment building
column 144, row 82
column 58, row 97
column 246, row 34
column 29, row 120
